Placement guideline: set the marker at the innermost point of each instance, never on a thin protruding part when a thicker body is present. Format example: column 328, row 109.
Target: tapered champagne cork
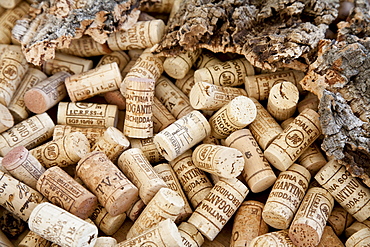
column 61, row 227
column 105, row 242
column 229, row 73
column 282, row 100
column 86, row 47
column 92, row 134
column 148, row 148
column 114, row 191
column 185, row 84
column 312, row 159
column 139, row 94
column 195, row 183
column 259, row 86
column 219, row 160
column 329, row 238
column 172, row 98
column 216, row 209
column 161, row 116
column 347, row 190
column 360, row 238
column 120, row 57
column 278, row 238
column 6, row 118
column 310, row 101
column 115, row 97
column 140, row 172
column 235, row 115
column 248, row 224
column 105, row 222
column 356, row 226
column 62, row 152
column 206, row 59
column 177, row 67
column 308, row 224
column 22, row 165
column 28, row 133
column 67, row 63
column 264, row 128
column 87, row 115
column 143, row 34
column 257, row 171
column 33, row 240
column 190, row 235
column 135, row 210
column 9, row 18
column 46, row 93
column 291, row 143
column 182, row 135
column 4, row 240
column 10, row 4
column 166, row 172
column 286, row 196
column 163, row 6
column 17, row 106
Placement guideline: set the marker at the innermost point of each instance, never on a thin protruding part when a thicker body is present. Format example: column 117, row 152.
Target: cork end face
column 36, row 101
column 244, row 109
column 277, row 158
column 304, row 235
column 6, row 118
column 176, row 67
column 14, row 158
column 263, row 183
column 124, row 198
column 79, row 145
column 116, row 136
column 275, row 219
column 86, row 207
column 231, row 163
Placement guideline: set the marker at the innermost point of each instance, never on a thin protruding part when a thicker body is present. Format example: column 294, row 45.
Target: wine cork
column 87, row 115
column 22, row 165
column 115, row 97
column 112, row 143
column 278, row 238
column 62, row 152
column 310, row 101
column 143, row 34
column 257, row 171
column 229, row 73
column 347, row 190
column 105, row 222
column 308, row 224
column 61, row 227
column 4, row 240
column 120, row 57
column 282, row 100
column 135, row 210
column 185, row 84
column 172, row 98
column 259, row 86
column 356, row 226
column 33, row 240
column 6, row 118
column 67, row 63
column 28, row 133
column 92, row 134
column 162, row 118
column 164, row 234
column 17, row 197
column 216, row 209
column 148, row 148
column 285, row 197
column 177, row 67
column 10, row 4
column 360, row 238
column 2, row 168
column 140, row 172
column 17, row 106
column 9, row 18
column 166, row 172
column 190, row 235
column 312, row 159
column 86, row 47
column 182, row 135
column 248, row 224
column 134, row 54
column 291, row 143
column 139, row 94
column 206, row 96
column 222, row 161
column 329, row 238
column 206, row 59
column 46, row 93
column 114, row 191
column 233, row 116
column 105, row 242
column 163, row 6
column 212, row 140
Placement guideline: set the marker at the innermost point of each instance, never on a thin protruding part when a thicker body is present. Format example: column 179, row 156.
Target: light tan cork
column 8, row 19
column 34, row 240
column 206, row 59
column 4, row 240
column 6, row 118
column 329, row 238
column 190, row 235
column 10, row 4
column 162, row 117
column 135, row 210
column 120, row 57
column 92, row 134
column 355, row 227
column 163, row 6
column 149, row 149
column 360, row 238
column 340, row 219
column 310, row 101
column 177, row 67
column 105, row 242
column 67, row 63
column 185, row 84
column 86, row 47
column 278, row 238
column 105, row 222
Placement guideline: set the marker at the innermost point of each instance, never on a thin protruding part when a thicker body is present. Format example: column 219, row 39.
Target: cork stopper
column 92, row 134
column 329, row 238
column 340, row 220
column 120, row 57
column 6, row 118
column 67, row 63
column 185, row 84
column 360, row 238
column 177, row 67
column 190, row 235
column 206, row 59
column 33, row 240
column 7, row 20
column 356, row 226
column 149, row 149
column 278, row 238
column 162, row 117
column 105, row 222
column 115, row 97
column 105, row 242
column 135, row 210
column 86, row 47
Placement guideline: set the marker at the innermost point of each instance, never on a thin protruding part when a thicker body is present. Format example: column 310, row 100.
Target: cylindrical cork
column 23, row 166
column 219, row 160
column 34, row 240
column 259, row 86
column 182, row 135
column 114, row 191
column 149, row 149
column 2, row 168
column 10, row 4
column 62, row 152
column 62, row 190
column 4, row 240
column 166, row 172
column 164, row 234
column 120, row 57
column 8, row 20
column 112, row 143
column 105, row 242
column 190, row 235
column 282, row 100
column 356, row 226
column 329, row 238
column 67, row 63
column 279, row 238
column 6, row 118
column 172, row 97
column 115, row 97
column 257, row 171
column 264, row 128
column 285, row 197
column 163, row 6
column 177, row 67
column 17, row 106
column 310, row 101
column 229, row 73
column 141, row 173
column 308, row 224
column 134, row 54
column 206, row 59
column 92, row 134
column 216, row 209
column 86, row 115
column 347, row 190
column 61, row 227
column 233, row 116
column 46, row 93
column 312, row 159
column 105, row 222
column 143, row 34
column 248, row 224
column 360, row 238
column 194, row 181
column 17, row 197
column 86, row 47
column 28, row 133
column 13, row 67
column 162, row 117
column 139, row 94
column 135, row 210
column 185, row 84
column 291, row 143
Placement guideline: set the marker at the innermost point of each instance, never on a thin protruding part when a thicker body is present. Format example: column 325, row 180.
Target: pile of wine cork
column 112, row 145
